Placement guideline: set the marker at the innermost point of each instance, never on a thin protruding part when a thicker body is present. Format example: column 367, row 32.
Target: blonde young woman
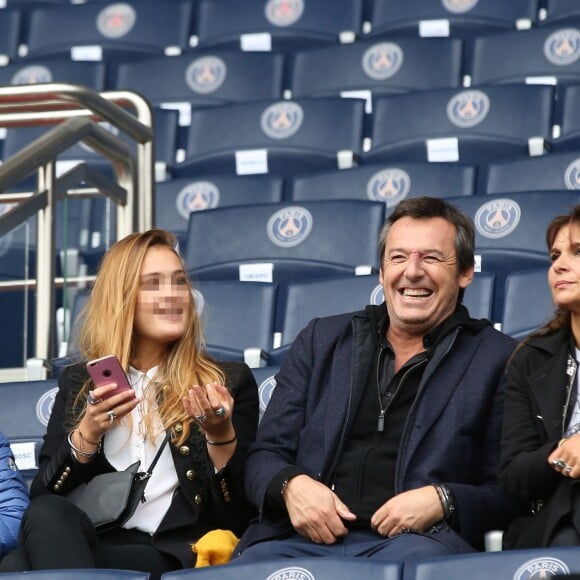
column 141, row 310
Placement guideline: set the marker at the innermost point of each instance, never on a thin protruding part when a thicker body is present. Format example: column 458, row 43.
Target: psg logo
column 563, row 46
column 541, row 568
column 498, row 218
column 197, row 196
column 282, row 120
column 290, row 226
column 116, row 20
column 468, row 108
column 31, row 75
column 44, row 406
column 377, row 295
column 572, row 175
column 382, row 61
column 206, row 74
column 265, row 391
column 459, row 6
column 284, row 12
column 389, row 186
column 291, row 573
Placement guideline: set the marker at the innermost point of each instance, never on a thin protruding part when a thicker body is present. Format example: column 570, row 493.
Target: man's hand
column 415, row 510
column 315, row 511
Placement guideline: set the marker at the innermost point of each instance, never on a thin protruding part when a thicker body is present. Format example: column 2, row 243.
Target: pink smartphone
column 107, row 370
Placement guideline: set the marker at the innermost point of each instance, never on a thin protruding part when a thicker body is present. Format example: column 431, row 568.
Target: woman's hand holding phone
column 112, row 398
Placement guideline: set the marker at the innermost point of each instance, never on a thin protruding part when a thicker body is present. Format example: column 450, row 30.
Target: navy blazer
column 452, row 435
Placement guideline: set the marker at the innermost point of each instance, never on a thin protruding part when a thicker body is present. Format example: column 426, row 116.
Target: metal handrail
column 76, row 109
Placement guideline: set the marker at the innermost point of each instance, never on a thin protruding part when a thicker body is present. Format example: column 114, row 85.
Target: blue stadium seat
column 17, row 262
column 450, row 17
column 555, row 171
column 510, row 231
column 568, row 119
column 279, row 137
column 295, row 568
column 25, row 409
column 396, row 66
column 204, row 78
column 479, row 295
column 79, row 302
column 527, row 302
column 165, row 146
column 176, row 198
column 470, row 126
column 11, row 25
column 544, row 55
column 387, row 183
column 71, row 574
column 277, row 25
column 238, row 319
column 110, row 30
column 56, row 70
column 266, row 381
column 302, row 300
column 277, row 242
column 505, row 565
column 561, row 12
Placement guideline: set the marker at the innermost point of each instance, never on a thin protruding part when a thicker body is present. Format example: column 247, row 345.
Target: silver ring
column 559, row 463
column 91, row 400
column 201, row 418
column 112, row 415
column 407, row 531
column 568, row 469
column 220, row 411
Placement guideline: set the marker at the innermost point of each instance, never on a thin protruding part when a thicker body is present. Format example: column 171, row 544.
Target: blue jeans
column 438, row 541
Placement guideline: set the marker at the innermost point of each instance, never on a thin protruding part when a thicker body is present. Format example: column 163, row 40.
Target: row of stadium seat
column 94, row 29
column 508, row 565
column 547, row 55
column 284, row 137
column 306, row 239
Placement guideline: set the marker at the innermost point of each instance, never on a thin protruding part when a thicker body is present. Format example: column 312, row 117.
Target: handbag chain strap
column 147, row 474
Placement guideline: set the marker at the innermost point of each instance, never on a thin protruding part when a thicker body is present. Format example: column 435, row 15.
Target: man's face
column 419, row 274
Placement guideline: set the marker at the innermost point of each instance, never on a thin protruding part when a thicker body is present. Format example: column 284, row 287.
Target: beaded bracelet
column 218, row 443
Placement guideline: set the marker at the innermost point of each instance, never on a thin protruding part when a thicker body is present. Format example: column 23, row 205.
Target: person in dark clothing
column 141, row 310
column 382, row 436
column 540, row 460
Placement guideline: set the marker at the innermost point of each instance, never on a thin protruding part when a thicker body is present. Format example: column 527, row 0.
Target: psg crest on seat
column 116, row 20
column 282, row 120
column 206, row 74
column 389, row 186
column 497, row 218
column 290, row 226
column 197, row 196
column 284, row 12
column 563, row 46
column 382, row 60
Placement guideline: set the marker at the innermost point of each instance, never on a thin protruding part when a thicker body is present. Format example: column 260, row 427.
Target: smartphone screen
column 107, row 370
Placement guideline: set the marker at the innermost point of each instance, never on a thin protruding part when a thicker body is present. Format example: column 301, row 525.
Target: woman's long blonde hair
column 108, row 328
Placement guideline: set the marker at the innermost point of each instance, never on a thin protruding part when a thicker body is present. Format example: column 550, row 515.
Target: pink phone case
column 107, row 370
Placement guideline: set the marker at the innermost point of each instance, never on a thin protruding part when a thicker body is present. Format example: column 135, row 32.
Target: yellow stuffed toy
column 215, row 547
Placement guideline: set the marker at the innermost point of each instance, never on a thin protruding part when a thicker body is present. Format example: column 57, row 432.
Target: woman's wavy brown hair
column 561, row 318
column 108, row 328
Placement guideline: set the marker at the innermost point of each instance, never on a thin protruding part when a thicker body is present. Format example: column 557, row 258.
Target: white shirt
column 573, row 426
column 122, row 447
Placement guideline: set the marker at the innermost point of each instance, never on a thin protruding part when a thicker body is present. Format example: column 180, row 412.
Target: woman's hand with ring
column 211, row 407
column 102, row 410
